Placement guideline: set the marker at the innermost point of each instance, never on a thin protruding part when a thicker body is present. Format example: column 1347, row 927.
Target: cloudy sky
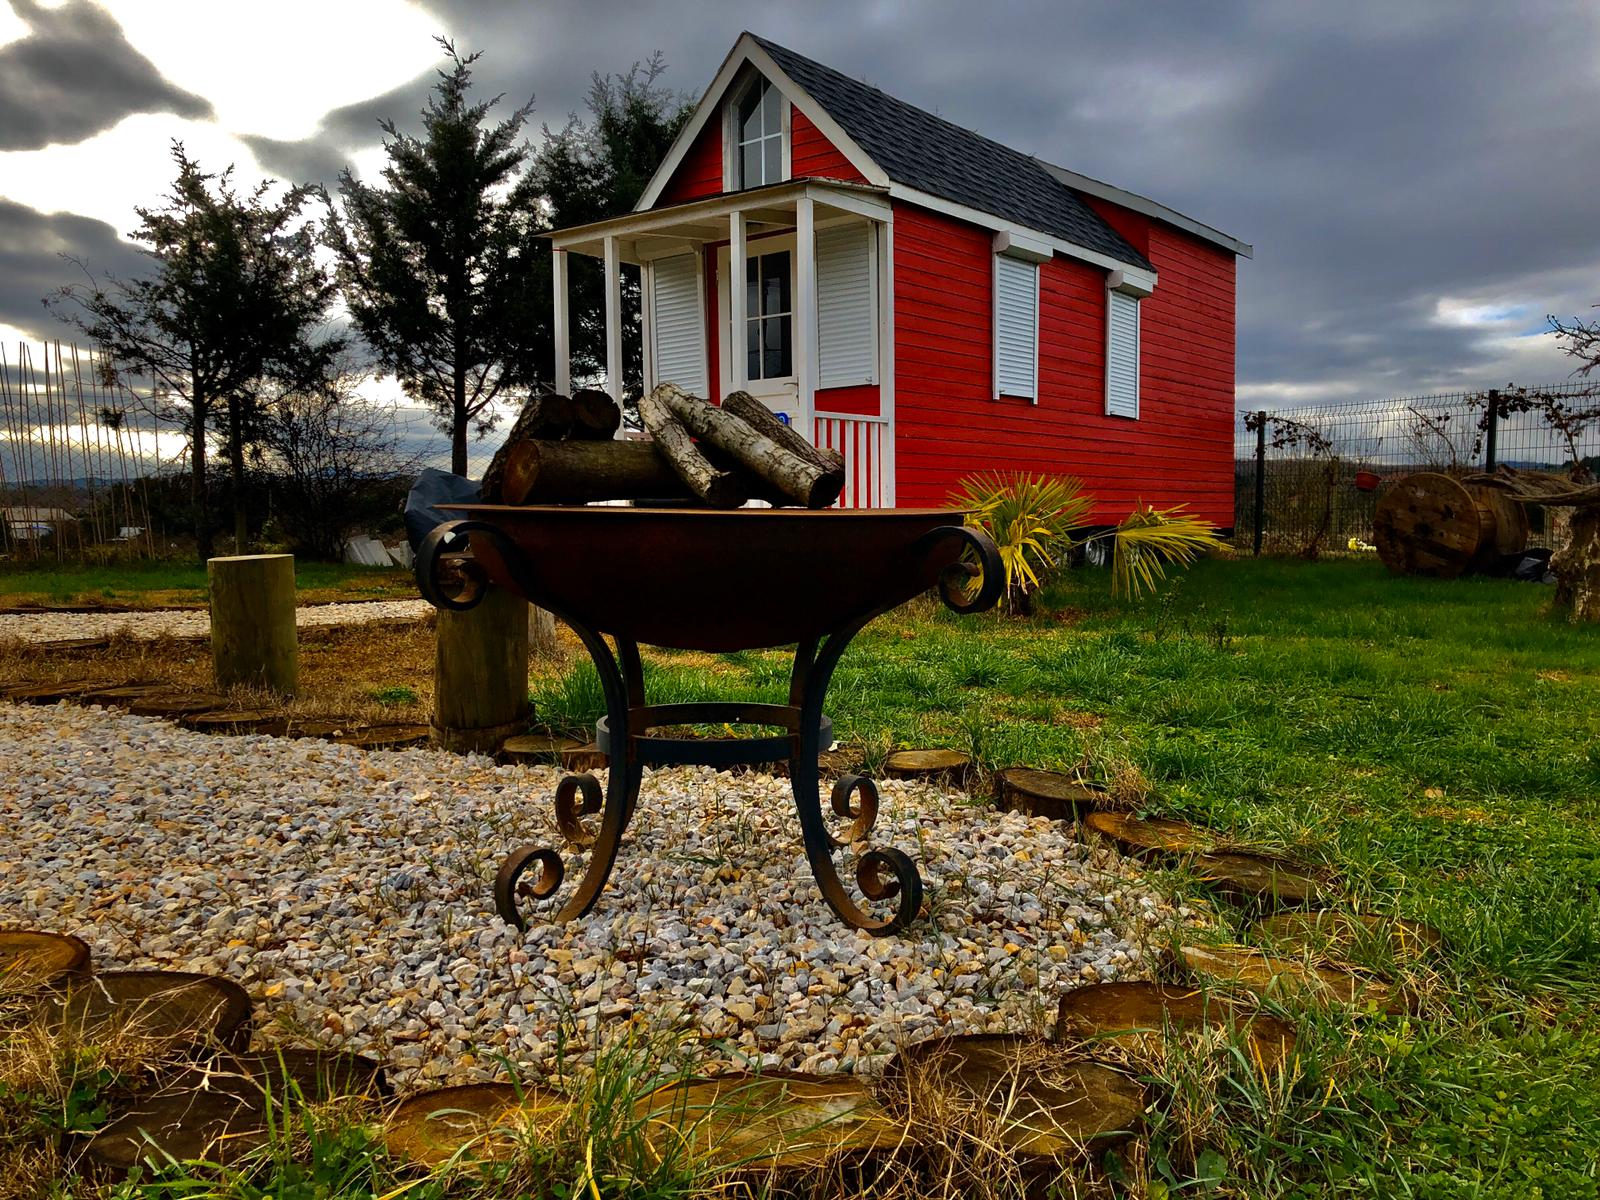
column 1418, row 178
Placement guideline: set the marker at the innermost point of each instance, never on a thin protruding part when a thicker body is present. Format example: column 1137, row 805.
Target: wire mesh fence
column 1308, row 480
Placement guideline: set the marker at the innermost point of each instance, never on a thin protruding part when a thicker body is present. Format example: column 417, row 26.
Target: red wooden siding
column 861, row 400
column 700, row 173
column 1178, row 451
column 813, row 156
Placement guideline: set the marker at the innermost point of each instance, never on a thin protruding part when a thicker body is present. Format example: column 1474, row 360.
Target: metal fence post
column 1261, row 477
column 1491, row 429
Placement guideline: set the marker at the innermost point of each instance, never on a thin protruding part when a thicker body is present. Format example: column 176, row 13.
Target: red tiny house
column 928, row 301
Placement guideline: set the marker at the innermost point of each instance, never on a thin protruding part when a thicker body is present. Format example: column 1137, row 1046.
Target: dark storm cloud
column 1385, row 159
column 73, row 75
column 35, row 261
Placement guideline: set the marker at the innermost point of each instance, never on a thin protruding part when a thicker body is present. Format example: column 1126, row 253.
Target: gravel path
column 349, row 893
column 57, row 626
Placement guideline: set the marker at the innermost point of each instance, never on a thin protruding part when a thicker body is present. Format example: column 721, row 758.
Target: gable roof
column 915, row 148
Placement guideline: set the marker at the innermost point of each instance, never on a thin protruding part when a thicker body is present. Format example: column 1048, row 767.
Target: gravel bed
column 58, row 626
column 349, row 892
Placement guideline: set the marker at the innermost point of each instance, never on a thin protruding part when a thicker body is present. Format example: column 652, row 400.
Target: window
column 847, row 306
column 676, row 322
column 1016, row 327
column 758, row 133
column 1122, row 355
column 769, row 317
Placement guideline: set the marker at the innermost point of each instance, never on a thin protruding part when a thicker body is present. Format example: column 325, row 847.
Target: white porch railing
column 861, row 441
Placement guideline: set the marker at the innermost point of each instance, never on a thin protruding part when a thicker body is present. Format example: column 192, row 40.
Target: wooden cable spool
column 1432, row 524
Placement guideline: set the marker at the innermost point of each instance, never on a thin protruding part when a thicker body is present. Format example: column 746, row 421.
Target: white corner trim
column 746, row 50
column 1121, row 281
column 1016, row 244
column 990, row 221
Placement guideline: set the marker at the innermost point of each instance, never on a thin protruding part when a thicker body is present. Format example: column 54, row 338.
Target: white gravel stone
column 181, row 623
column 350, row 893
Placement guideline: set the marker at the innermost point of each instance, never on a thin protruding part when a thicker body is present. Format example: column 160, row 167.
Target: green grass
column 169, row 584
column 1437, row 744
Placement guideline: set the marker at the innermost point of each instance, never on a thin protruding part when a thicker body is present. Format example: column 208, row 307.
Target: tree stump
column 252, row 622
column 31, row 960
column 1286, row 980
column 1134, row 1013
column 1576, row 566
column 1035, row 1098
column 480, row 675
column 1044, row 793
column 930, row 766
column 1144, row 836
column 481, row 1122
column 772, row 1122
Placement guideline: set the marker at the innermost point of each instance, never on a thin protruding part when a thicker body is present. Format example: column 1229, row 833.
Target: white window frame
column 731, row 145
column 994, row 323
column 1119, row 282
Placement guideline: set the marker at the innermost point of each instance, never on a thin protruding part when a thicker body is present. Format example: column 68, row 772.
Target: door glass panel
column 774, row 283
column 775, row 349
column 752, row 366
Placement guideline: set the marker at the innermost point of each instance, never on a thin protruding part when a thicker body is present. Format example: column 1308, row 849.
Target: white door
column 766, row 344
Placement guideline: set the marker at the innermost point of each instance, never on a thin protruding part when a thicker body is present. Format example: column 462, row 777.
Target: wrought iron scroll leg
column 812, row 684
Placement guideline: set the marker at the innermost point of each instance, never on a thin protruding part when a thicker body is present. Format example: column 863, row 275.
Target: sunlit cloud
column 274, row 70
column 12, row 27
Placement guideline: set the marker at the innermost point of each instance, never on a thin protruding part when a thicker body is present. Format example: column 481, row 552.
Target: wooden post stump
column 480, row 675
column 252, row 622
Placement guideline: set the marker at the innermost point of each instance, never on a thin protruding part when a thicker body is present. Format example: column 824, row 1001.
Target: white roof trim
column 1138, row 276
column 748, row 51
column 1150, row 208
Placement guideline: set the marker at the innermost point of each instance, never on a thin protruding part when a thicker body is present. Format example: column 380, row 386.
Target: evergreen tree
column 441, row 267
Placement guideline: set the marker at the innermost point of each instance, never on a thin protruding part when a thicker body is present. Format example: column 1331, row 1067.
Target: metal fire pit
column 696, row 579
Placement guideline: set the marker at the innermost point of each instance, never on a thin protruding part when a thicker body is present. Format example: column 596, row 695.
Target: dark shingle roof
column 933, row 155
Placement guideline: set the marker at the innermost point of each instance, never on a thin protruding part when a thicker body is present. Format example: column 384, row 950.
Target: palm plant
column 1033, row 520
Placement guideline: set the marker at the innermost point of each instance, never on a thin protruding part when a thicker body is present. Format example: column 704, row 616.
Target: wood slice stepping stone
column 477, row 1122
column 585, row 757
column 78, row 643
column 221, row 1112
column 51, row 693
column 1044, row 793
column 537, row 747
column 168, row 1013
column 1146, row 836
column 1264, row 877
column 248, row 720
column 171, row 703
column 383, row 737
column 1287, row 980
column 1035, row 1099
column 1136, row 1013
column 773, row 1121
column 122, row 696
column 929, row 765
column 31, row 960
column 1327, row 932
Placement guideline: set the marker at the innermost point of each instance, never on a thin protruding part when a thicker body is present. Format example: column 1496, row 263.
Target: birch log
column 719, row 489
column 573, row 472
column 750, row 410
column 798, row 477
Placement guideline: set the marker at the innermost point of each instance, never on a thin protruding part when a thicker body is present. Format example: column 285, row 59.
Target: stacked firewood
column 562, row 450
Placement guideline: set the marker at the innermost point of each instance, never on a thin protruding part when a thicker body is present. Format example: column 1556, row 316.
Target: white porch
column 810, row 334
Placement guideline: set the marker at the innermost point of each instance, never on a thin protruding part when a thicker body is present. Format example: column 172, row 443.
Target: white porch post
column 613, row 320
column 737, row 362
column 558, row 276
column 805, row 313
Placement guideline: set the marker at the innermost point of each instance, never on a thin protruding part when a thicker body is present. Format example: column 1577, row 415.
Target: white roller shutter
column 677, row 329
column 1016, row 327
column 847, row 316
column 1122, row 355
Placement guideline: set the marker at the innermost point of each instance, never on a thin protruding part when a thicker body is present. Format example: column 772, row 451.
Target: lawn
column 183, row 585
column 1436, row 744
